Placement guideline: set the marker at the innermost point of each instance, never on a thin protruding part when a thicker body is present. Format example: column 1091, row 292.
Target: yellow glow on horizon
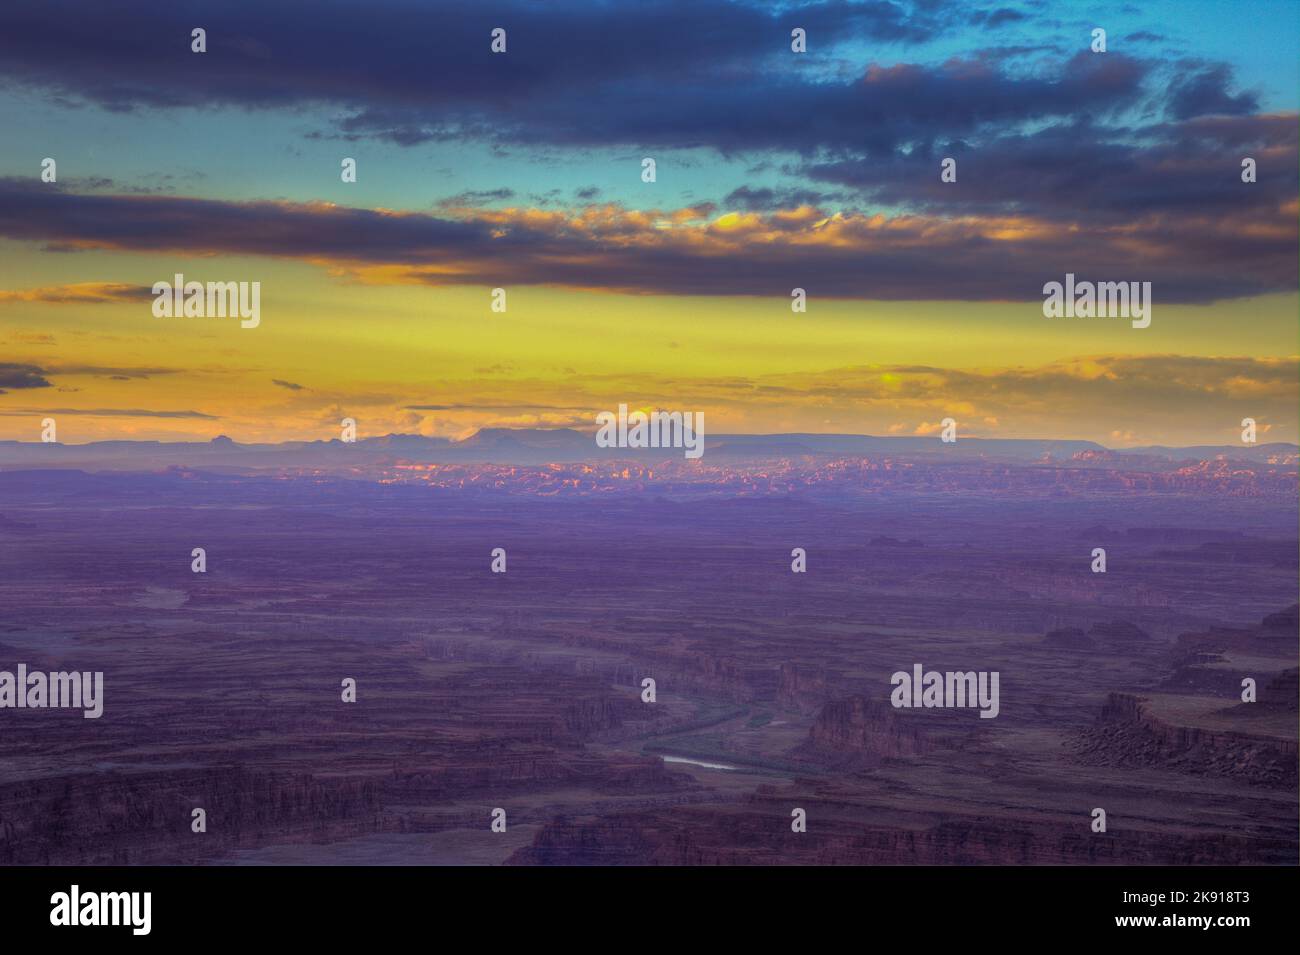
column 554, row 358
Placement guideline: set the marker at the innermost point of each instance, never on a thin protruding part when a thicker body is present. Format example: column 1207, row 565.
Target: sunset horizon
column 379, row 210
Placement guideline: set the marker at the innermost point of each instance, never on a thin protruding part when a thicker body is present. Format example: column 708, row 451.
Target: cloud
column 430, row 72
column 471, row 198
column 107, row 371
column 16, row 376
column 488, row 406
column 991, row 20
column 767, row 199
column 110, row 413
column 81, row 293
column 287, row 384
column 1196, row 255
column 1205, row 93
column 1154, row 397
column 33, row 338
column 1166, row 398
column 1084, row 173
column 658, row 73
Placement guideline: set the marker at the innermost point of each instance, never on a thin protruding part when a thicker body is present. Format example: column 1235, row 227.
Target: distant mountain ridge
column 566, row 445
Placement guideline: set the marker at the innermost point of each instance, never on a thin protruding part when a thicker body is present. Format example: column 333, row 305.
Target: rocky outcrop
column 803, row 688
column 1129, row 733
column 1118, row 632
column 124, row 819
column 682, row 667
column 857, row 730
column 761, row 835
column 1283, row 691
column 1117, row 636
column 1215, row 661
column 1287, row 622
column 1276, row 635
column 146, row 818
column 1069, row 638
column 1203, row 673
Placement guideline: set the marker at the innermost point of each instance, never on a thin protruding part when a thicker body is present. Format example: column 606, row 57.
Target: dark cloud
column 292, row 386
column 876, row 112
column 1083, row 173
column 1205, row 93
column 476, row 197
column 404, row 52
column 15, row 376
column 766, row 199
column 997, row 18
column 1191, row 252
column 657, row 73
column 44, row 212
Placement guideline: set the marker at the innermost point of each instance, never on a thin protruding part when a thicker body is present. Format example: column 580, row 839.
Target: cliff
column 857, row 730
column 761, row 835
column 1130, row 733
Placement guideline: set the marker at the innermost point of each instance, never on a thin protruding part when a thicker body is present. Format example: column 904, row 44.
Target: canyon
column 522, row 690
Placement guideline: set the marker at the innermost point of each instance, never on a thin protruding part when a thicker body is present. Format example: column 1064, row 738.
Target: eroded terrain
column 523, row 690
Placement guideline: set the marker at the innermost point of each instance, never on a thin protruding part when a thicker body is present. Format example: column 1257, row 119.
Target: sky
column 775, row 170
